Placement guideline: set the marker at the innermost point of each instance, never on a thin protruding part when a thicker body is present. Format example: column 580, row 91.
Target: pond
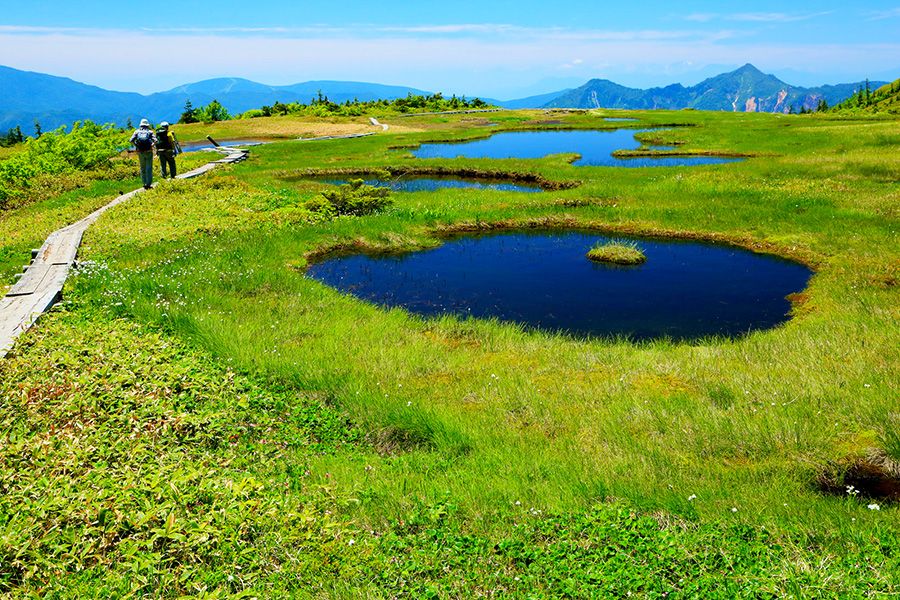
column 431, row 184
column 594, row 146
column 685, row 290
column 205, row 145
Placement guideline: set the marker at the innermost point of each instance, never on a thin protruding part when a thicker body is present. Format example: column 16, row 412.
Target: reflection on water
column 594, row 146
column 205, row 145
column 685, row 290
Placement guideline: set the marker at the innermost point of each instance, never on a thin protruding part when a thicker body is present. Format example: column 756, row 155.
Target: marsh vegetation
column 200, row 417
column 617, row 252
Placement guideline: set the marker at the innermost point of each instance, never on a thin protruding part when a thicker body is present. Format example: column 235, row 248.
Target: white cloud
column 701, row 17
column 879, row 15
column 365, row 31
column 573, row 64
column 755, row 17
column 775, row 17
column 469, row 64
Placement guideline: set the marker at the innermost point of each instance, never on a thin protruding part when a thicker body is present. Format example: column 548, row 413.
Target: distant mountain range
column 744, row 90
column 53, row 101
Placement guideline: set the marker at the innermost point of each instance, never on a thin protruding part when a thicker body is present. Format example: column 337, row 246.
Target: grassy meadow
column 61, row 200
column 200, row 418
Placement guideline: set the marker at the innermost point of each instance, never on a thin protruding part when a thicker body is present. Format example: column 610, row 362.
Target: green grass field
column 199, row 418
column 61, row 201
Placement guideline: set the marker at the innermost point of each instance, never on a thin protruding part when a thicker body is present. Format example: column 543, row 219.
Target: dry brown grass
column 284, row 127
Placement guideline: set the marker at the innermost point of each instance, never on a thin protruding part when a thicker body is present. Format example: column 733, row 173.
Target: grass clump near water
column 354, row 198
column 617, row 252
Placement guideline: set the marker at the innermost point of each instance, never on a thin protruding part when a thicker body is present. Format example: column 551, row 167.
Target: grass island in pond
column 617, row 252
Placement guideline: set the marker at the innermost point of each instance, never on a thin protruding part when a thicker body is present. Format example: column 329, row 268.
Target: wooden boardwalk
column 41, row 284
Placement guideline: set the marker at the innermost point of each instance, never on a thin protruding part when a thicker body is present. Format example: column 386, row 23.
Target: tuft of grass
column 617, row 252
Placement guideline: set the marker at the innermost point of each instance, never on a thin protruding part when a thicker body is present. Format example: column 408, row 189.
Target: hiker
column 143, row 140
column 167, row 148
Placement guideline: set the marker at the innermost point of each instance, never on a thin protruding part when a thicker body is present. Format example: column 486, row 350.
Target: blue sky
column 499, row 49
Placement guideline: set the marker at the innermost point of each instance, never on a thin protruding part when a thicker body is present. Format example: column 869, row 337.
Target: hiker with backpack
column 167, row 148
column 143, row 140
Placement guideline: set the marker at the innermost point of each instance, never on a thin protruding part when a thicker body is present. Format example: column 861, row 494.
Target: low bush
column 354, row 199
column 87, row 146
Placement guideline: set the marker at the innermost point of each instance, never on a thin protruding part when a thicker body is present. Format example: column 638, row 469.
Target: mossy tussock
column 617, row 252
column 441, row 171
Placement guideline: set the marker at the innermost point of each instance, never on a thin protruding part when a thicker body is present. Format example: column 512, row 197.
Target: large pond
column 595, row 147
column 431, row 184
column 685, row 290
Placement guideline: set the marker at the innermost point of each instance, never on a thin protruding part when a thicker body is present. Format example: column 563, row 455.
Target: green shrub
column 87, row 146
column 212, row 112
column 354, row 199
column 321, row 106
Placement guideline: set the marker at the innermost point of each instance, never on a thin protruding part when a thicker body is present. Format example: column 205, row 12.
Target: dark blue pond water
column 595, row 148
column 543, row 280
column 430, row 184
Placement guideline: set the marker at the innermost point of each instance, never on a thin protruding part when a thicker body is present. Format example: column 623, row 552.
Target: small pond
column 685, row 290
column 205, row 145
column 594, row 146
column 431, row 184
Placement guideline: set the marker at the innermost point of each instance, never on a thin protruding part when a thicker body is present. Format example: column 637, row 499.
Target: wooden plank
column 31, row 281
column 20, row 313
column 39, row 278
column 64, row 246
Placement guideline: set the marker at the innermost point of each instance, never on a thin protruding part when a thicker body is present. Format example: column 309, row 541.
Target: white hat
column 145, row 123
column 164, row 125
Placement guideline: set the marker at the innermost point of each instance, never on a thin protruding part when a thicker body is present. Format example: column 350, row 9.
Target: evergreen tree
column 212, row 112
column 190, row 113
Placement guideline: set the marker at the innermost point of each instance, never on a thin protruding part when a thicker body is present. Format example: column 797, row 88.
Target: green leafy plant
column 354, row 198
column 87, row 146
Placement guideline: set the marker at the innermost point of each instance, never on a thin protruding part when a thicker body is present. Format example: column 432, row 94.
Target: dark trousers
column 145, row 159
column 166, row 162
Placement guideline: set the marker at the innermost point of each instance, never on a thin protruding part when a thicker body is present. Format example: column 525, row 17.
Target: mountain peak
column 746, row 89
column 749, row 68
